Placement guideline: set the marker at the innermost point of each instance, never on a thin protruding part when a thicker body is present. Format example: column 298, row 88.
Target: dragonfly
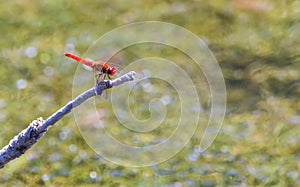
column 101, row 69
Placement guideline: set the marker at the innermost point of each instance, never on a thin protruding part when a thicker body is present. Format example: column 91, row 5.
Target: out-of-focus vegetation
column 256, row 43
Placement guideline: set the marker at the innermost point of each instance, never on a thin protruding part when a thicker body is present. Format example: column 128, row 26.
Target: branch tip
column 37, row 128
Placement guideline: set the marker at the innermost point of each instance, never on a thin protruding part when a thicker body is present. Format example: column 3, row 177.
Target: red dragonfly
column 101, row 67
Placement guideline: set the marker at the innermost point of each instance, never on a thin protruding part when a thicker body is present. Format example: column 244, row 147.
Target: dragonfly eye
column 111, row 70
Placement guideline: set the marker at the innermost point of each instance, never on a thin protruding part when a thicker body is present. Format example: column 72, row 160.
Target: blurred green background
column 256, row 43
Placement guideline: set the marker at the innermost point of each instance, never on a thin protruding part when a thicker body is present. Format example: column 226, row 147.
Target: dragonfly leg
column 97, row 77
column 94, row 72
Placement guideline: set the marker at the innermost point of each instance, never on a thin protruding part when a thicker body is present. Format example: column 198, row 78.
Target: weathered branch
column 29, row 136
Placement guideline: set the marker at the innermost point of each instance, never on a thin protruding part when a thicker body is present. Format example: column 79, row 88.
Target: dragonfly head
column 111, row 70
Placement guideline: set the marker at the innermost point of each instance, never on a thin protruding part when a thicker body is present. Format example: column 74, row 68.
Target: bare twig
column 29, row 136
